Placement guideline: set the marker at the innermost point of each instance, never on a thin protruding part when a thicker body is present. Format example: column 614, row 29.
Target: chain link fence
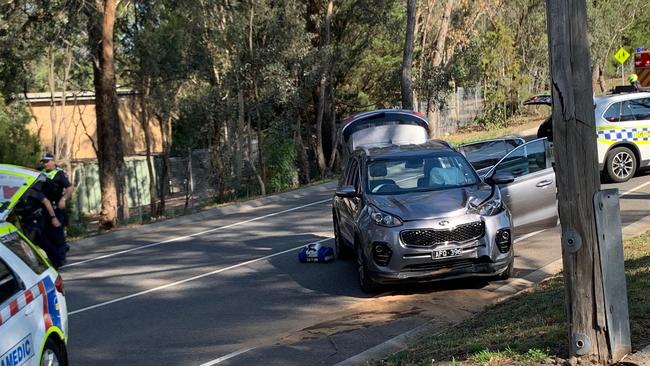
column 459, row 111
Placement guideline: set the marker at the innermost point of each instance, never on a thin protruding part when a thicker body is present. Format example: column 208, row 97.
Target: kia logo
column 443, row 223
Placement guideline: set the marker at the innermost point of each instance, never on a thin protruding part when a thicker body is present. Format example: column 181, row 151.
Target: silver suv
column 414, row 210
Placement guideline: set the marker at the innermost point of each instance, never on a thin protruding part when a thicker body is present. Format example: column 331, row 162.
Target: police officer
column 634, row 81
column 57, row 189
column 36, row 215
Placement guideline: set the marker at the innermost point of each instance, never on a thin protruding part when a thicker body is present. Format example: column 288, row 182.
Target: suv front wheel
column 365, row 281
column 621, row 164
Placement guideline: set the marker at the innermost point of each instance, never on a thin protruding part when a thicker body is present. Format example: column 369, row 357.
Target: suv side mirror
column 500, row 178
column 347, row 192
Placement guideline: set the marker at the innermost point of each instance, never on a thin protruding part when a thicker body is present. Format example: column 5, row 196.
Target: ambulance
column 33, row 312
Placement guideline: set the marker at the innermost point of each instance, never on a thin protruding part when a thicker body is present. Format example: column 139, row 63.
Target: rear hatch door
column 384, row 127
column 14, row 182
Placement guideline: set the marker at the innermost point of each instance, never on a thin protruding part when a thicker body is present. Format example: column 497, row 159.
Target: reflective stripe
column 20, row 302
column 52, row 173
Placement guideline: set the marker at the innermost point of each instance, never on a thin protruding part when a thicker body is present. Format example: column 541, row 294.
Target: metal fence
column 192, row 177
column 460, row 110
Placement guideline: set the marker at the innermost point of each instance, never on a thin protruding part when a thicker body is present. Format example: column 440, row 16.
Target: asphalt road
column 227, row 288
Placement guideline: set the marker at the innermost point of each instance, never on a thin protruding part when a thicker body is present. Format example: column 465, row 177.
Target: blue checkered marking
column 623, row 135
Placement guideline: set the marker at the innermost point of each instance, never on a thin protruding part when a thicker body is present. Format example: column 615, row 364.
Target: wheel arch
column 57, row 336
column 627, row 144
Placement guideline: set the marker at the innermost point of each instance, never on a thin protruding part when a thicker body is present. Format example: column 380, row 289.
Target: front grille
column 452, row 265
column 433, row 266
column 432, row 237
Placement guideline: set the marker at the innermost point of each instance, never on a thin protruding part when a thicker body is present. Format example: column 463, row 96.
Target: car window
column 10, row 284
column 24, row 251
column 629, row 110
column 613, row 113
column 525, row 159
column 640, row 108
column 419, row 173
column 486, row 154
column 353, row 174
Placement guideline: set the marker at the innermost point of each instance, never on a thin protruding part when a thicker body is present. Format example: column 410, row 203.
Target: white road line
column 192, row 235
column 634, row 189
column 194, row 278
column 529, row 235
column 228, row 356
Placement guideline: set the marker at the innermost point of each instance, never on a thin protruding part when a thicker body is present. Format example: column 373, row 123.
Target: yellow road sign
column 622, row 55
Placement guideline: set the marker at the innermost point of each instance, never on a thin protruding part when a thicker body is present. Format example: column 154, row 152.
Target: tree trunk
column 101, row 20
column 249, row 155
column 165, row 132
column 320, row 154
column 441, row 38
column 601, row 79
column 407, row 61
column 302, row 154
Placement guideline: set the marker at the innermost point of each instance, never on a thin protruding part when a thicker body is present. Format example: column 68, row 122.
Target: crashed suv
column 413, row 210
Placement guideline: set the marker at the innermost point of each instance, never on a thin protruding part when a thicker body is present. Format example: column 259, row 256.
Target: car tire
column 621, row 164
column 53, row 354
column 342, row 250
column 365, row 280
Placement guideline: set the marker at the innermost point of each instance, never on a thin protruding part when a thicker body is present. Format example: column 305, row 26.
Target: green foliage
column 19, row 146
column 281, row 155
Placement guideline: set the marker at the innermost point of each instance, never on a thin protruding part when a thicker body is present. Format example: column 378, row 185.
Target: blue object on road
column 316, row 253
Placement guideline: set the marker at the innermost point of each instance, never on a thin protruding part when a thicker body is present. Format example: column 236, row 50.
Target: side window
column 627, row 113
column 613, row 113
column 525, row 159
column 10, row 284
column 353, row 179
column 352, row 173
column 640, row 108
column 515, row 163
column 25, row 252
column 536, row 152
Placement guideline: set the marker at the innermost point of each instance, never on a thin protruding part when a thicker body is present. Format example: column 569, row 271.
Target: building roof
column 72, row 95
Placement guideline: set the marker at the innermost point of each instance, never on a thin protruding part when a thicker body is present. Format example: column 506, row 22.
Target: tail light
column 58, row 284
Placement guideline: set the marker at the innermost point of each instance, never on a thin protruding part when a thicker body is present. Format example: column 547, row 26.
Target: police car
column 622, row 132
column 33, row 313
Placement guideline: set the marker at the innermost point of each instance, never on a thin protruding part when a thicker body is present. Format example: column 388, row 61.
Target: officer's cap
column 47, row 157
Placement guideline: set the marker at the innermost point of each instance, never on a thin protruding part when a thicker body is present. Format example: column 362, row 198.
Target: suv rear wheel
column 621, row 164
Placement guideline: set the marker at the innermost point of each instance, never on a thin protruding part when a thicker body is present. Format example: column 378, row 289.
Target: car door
column 531, row 197
column 19, row 323
column 641, row 128
column 348, row 206
column 483, row 155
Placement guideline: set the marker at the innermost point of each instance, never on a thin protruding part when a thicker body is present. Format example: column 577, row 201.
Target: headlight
column 382, row 218
column 492, row 207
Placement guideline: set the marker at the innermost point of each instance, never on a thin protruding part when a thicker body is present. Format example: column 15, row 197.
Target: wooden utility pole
column 577, row 177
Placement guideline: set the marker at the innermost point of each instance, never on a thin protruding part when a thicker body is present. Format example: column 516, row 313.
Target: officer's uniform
column 33, row 218
column 53, row 188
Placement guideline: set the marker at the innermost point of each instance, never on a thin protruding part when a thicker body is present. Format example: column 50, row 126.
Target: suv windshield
column 419, row 173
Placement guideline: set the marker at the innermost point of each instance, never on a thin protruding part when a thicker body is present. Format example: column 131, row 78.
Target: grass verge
column 530, row 329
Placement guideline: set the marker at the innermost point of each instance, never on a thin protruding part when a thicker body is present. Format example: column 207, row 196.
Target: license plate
column 446, row 253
